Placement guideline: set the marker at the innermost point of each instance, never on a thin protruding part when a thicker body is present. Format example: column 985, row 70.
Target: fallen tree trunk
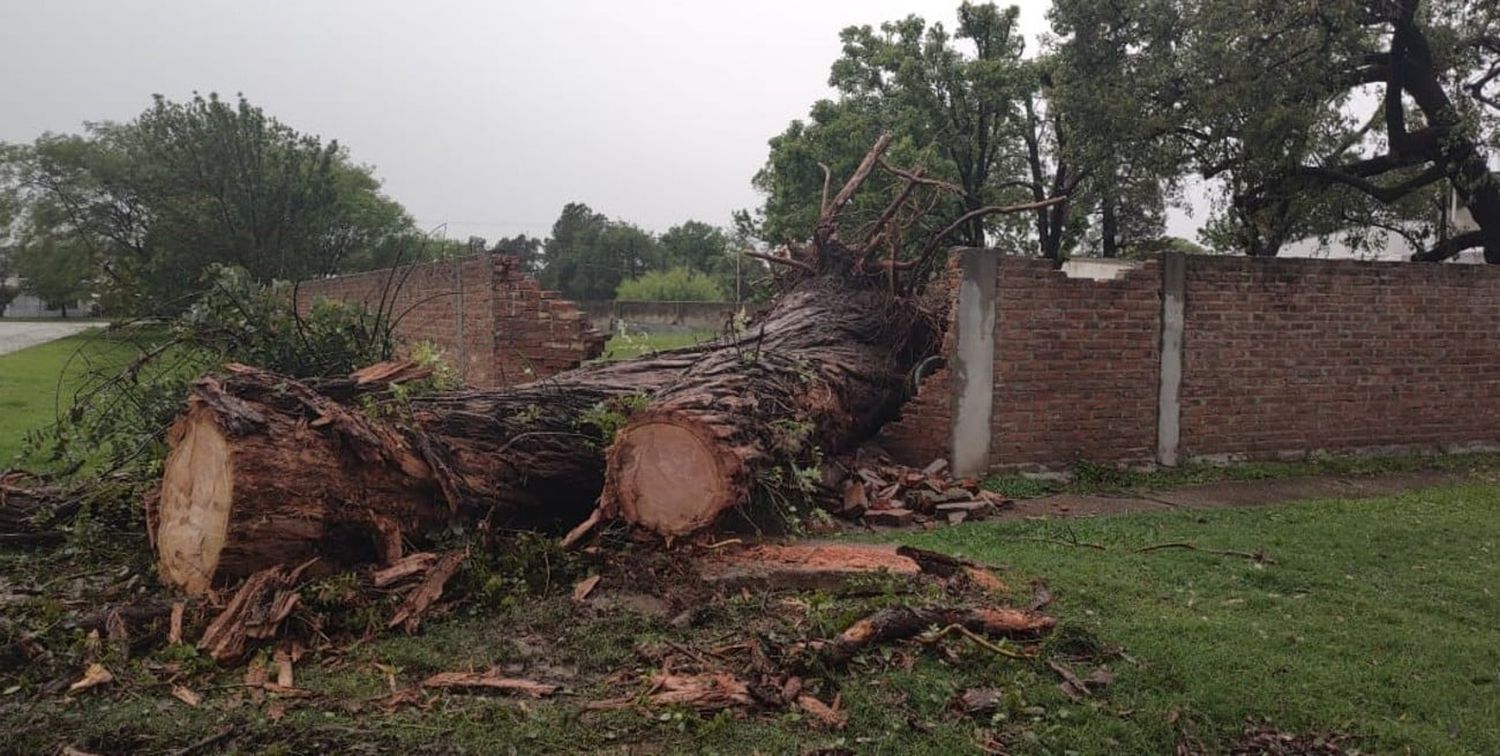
column 268, row 471
column 264, row 470
column 830, row 370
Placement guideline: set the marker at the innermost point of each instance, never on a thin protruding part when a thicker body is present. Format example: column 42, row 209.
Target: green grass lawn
column 38, row 382
column 1381, row 618
column 627, row 345
column 30, row 386
column 1378, row 618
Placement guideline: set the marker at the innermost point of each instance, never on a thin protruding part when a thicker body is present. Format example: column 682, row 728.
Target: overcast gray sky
column 486, row 115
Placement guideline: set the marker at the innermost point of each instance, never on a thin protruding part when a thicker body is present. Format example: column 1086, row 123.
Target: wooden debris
column 894, row 517
column 897, row 623
column 174, row 626
column 255, row 613
column 800, row 566
column 411, row 564
column 978, row 701
column 409, row 615
column 828, row 716
column 186, row 695
column 585, row 587
column 582, row 529
column 489, row 681
column 714, row 691
column 97, row 674
column 256, row 676
column 284, row 676
column 856, row 499
column 895, row 496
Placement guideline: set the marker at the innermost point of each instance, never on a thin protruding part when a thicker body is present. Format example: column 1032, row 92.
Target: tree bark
column 829, row 371
column 265, row 470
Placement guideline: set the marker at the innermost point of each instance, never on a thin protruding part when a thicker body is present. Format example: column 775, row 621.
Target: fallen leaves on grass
column 1263, row 739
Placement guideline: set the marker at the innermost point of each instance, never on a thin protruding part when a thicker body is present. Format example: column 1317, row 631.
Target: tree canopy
column 1351, row 120
column 153, row 202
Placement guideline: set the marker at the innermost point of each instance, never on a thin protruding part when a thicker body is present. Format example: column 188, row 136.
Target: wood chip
column 490, row 681
column 94, row 676
column 255, row 679
column 856, row 498
column 186, row 695
column 827, row 716
column 936, row 466
column 284, row 670
column 585, row 587
column 407, row 566
column 409, row 615
column 174, row 626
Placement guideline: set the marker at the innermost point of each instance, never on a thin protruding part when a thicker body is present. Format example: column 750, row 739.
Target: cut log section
column 264, row 470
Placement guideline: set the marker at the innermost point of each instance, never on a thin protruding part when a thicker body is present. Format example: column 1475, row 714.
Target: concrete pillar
column 973, row 367
column 1169, row 386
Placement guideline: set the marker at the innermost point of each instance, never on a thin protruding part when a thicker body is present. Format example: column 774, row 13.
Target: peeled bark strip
column 904, row 622
column 265, row 470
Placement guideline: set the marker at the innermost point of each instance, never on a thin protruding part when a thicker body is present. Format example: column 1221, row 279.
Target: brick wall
column 1076, row 363
column 1280, row 357
column 494, row 323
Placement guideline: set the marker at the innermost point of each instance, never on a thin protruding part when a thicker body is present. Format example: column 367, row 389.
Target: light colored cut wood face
column 673, row 479
column 197, row 488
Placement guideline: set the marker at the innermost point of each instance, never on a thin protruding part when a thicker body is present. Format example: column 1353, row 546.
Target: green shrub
column 675, row 285
column 117, row 420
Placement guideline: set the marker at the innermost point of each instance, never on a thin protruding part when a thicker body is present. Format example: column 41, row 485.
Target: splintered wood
column 254, row 613
column 409, row 615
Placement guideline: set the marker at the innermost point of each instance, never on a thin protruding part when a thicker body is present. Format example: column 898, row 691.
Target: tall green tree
column 700, row 247
column 528, row 248
column 588, row 254
column 186, row 185
column 57, row 271
column 973, row 110
column 1352, row 118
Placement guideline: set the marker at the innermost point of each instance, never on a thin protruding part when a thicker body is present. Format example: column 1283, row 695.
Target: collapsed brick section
column 923, row 430
column 493, row 322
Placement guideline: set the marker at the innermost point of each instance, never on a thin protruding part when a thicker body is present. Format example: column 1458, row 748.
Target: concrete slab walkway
column 15, row 336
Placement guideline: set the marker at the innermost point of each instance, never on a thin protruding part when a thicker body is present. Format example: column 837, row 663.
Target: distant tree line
column 590, row 256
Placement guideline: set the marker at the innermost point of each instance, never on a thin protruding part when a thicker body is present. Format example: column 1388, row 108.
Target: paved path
column 18, row 335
